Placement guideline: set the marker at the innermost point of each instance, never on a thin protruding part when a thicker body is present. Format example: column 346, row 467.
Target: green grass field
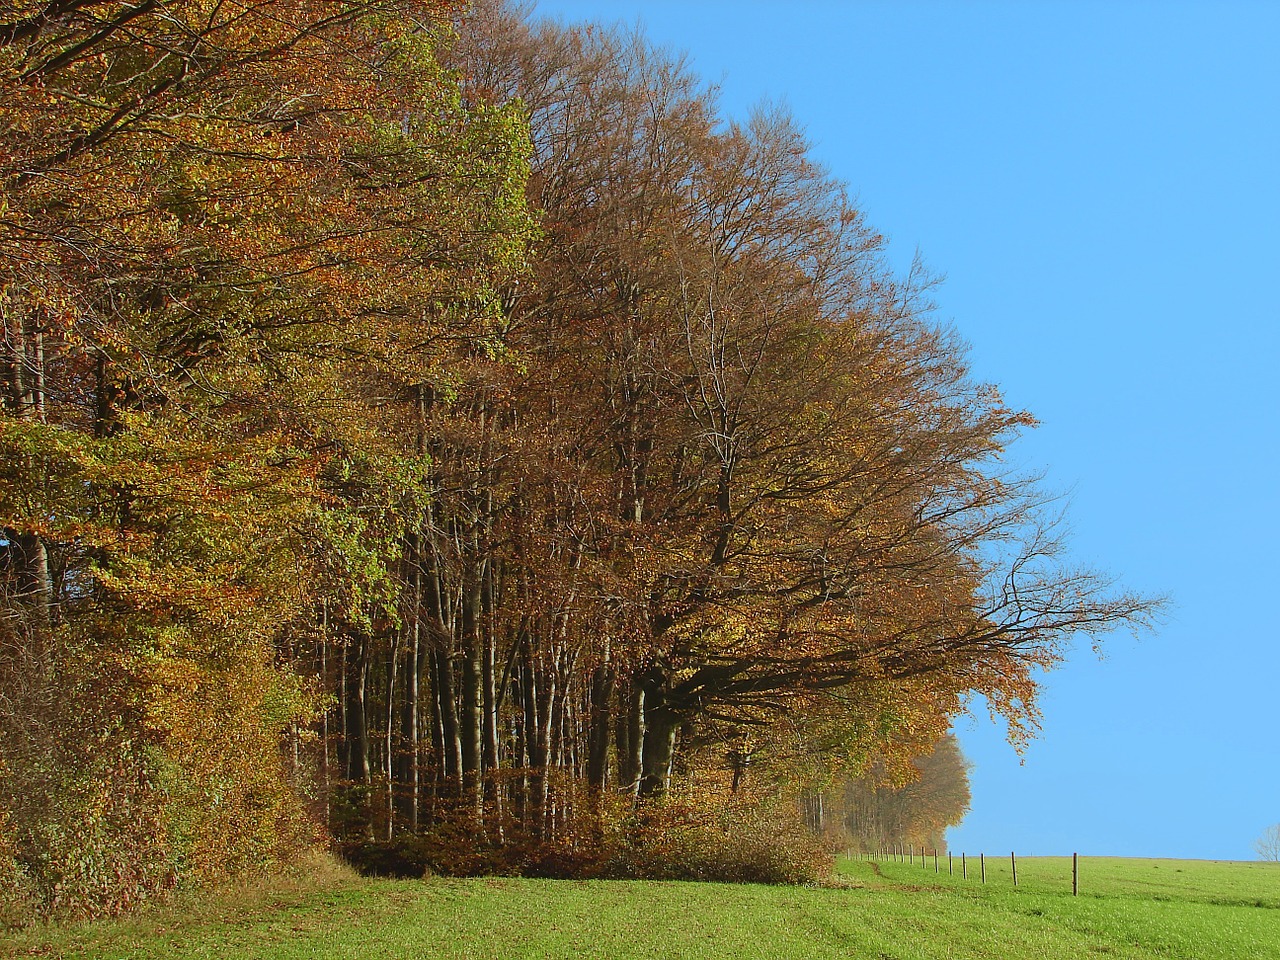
column 887, row 911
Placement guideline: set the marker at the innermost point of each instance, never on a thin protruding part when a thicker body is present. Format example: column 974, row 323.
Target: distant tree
column 1268, row 845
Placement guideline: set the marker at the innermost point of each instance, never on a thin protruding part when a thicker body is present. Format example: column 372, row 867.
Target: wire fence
column 911, row 855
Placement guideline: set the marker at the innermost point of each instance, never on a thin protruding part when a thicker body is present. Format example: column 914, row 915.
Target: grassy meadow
column 872, row 911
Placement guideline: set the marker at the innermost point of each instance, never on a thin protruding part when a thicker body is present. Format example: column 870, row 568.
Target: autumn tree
column 788, row 482
column 451, row 422
column 879, row 813
column 237, row 239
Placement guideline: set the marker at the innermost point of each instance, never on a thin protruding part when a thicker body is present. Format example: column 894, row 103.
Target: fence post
column 964, row 867
column 951, row 870
column 982, row 864
column 935, row 860
column 1075, row 874
column 1013, row 859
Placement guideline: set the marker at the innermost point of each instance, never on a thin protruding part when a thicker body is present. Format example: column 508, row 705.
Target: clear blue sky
column 1100, row 183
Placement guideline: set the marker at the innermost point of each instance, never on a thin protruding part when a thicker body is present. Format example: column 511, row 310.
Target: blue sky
column 1100, row 184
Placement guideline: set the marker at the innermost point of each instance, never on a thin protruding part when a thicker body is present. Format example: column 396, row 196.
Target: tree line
column 416, row 412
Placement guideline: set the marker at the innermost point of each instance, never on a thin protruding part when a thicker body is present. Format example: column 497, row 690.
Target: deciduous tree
column 1268, row 845
column 236, row 240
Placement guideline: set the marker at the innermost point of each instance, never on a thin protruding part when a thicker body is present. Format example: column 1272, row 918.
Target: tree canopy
column 414, row 412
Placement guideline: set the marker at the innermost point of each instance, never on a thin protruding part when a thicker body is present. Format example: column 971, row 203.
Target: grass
column 1167, row 909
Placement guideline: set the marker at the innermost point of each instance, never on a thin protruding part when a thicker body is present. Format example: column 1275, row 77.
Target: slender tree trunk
column 323, row 656
column 492, row 745
column 24, row 349
column 37, row 374
column 446, row 698
column 526, row 725
column 344, row 711
column 740, row 757
column 436, row 719
column 407, row 767
column 471, row 713
column 389, row 761
column 494, row 789
column 631, row 735
column 358, row 717
column 546, row 704
column 622, row 738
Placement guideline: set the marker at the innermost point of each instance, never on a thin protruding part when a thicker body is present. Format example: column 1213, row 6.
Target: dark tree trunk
column 357, row 733
column 661, row 727
column 600, row 726
column 24, row 349
column 406, row 766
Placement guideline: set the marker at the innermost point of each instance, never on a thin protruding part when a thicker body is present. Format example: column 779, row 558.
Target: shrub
column 107, row 800
column 739, row 838
column 18, row 903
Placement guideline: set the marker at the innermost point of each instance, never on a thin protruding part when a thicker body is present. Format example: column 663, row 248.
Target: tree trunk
column 526, row 727
column 323, row 657
column 447, row 705
column 24, row 347
column 661, row 726
column 357, row 733
column 546, row 711
column 471, row 712
column 389, row 760
column 436, row 718
column 407, row 767
column 630, row 728
column 492, row 745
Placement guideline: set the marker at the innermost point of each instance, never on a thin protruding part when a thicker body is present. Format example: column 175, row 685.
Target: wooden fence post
column 951, row 870
column 935, row 860
column 964, row 868
column 1013, row 859
column 1075, row 874
column 982, row 864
